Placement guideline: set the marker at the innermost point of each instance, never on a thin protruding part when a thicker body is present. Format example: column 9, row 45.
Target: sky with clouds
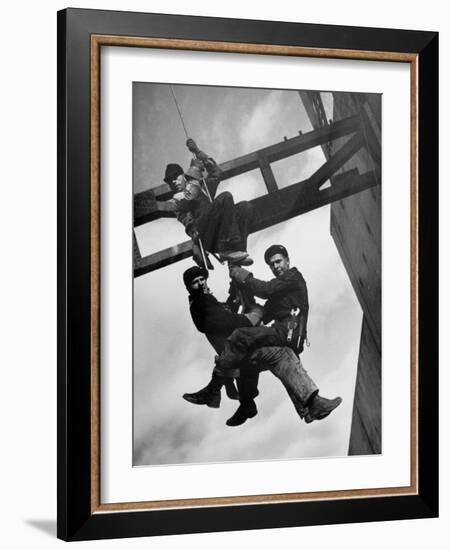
column 170, row 356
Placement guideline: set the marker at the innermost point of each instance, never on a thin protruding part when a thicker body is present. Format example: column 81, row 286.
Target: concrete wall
column 356, row 230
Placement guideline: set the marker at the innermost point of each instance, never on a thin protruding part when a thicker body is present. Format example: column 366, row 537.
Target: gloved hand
column 255, row 315
column 192, row 146
column 239, row 274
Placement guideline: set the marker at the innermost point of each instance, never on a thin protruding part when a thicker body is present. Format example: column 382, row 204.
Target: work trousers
column 247, row 382
column 243, row 341
column 244, row 216
column 224, row 226
column 288, row 368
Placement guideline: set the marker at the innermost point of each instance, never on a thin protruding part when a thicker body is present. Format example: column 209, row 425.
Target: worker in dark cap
column 218, row 225
column 286, row 305
column 217, row 322
column 215, row 225
column 172, row 173
column 186, row 208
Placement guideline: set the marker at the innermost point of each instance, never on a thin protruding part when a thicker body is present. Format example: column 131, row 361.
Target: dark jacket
column 214, row 319
column 282, row 294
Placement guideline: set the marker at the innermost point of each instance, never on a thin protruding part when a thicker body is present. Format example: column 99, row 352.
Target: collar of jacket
column 291, row 273
column 201, row 297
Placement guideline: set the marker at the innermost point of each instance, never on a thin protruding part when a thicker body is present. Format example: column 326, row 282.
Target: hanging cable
column 203, row 179
column 179, row 111
column 206, row 190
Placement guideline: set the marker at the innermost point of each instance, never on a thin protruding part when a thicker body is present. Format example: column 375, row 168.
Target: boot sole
column 194, row 402
column 321, row 416
column 233, row 424
column 245, row 262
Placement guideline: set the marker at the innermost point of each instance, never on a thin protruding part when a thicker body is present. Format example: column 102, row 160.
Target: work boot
column 231, row 389
column 244, row 262
column 245, row 411
column 321, row 408
column 205, row 396
column 234, row 257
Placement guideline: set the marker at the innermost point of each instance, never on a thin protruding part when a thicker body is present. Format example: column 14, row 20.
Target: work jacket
column 214, row 319
column 282, row 294
column 189, row 205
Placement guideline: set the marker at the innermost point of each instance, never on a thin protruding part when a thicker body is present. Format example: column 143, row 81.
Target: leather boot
column 237, row 257
column 245, row 411
column 206, row 396
column 218, row 382
column 321, row 407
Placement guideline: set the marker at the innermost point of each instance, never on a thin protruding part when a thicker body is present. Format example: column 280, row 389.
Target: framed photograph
column 247, row 252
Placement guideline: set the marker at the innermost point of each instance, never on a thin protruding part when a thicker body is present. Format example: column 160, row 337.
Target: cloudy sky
column 170, row 356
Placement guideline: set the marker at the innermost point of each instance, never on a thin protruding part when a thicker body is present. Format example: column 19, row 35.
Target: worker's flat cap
column 275, row 249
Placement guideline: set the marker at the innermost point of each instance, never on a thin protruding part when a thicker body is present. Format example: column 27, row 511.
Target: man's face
column 190, row 144
column 279, row 265
column 199, row 284
column 179, row 183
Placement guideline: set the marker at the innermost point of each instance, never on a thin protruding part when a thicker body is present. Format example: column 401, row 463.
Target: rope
column 179, row 112
column 202, row 250
column 208, row 194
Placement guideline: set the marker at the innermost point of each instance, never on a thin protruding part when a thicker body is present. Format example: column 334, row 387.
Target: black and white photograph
column 257, row 274
column 170, row 169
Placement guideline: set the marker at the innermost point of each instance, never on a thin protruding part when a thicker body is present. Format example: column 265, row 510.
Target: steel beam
column 292, row 146
column 291, row 201
column 146, row 210
column 312, row 101
column 297, row 199
column 163, row 258
column 136, row 252
column 267, row 174
column 335, row 162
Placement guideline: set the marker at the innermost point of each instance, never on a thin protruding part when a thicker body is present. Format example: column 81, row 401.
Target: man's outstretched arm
column 263, row 289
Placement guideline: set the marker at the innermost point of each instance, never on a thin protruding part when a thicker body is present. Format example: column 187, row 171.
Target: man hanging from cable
column 215, row 225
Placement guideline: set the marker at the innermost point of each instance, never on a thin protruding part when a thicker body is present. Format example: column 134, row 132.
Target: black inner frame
column 75, row 521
